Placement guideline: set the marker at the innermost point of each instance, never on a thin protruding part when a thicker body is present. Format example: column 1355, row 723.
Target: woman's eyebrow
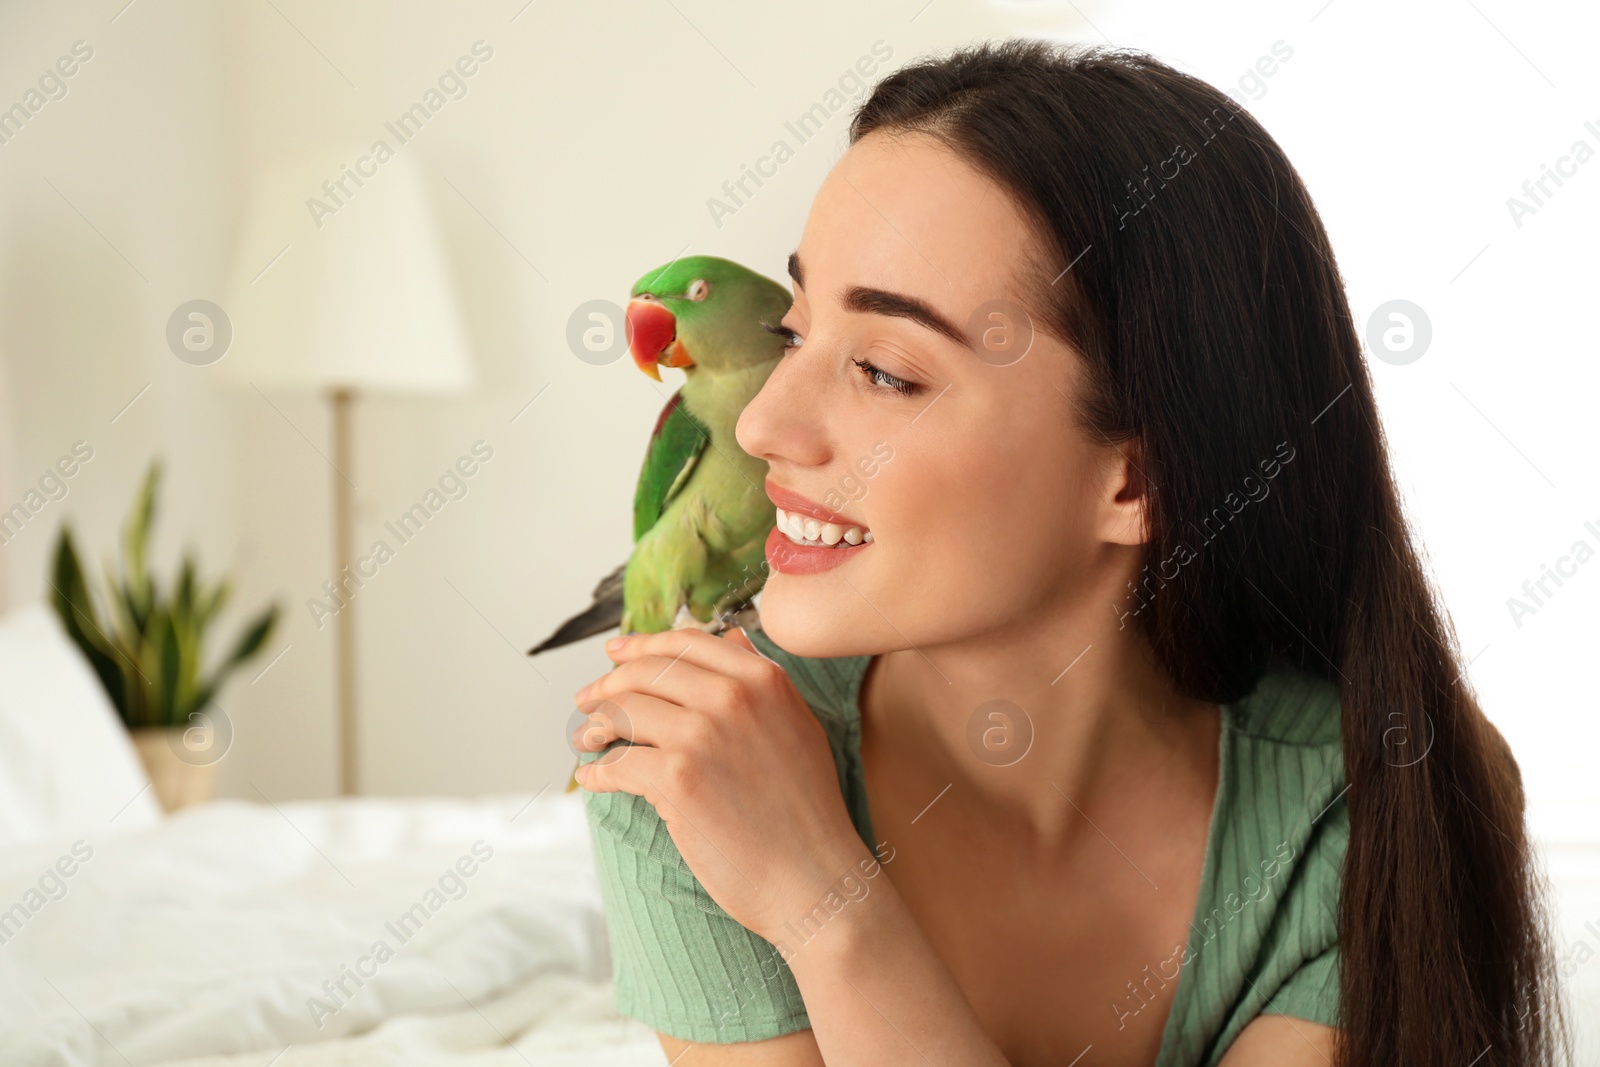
column 861, row 298
column 880, row 302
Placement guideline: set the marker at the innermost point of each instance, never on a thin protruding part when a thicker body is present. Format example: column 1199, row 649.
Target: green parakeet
column 700, row 512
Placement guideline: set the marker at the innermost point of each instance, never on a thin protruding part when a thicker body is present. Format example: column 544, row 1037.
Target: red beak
column 653, row 338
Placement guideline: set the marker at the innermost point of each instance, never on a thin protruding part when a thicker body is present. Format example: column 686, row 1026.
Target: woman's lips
column 789, row 557
column 791, row 501
column 786, row 557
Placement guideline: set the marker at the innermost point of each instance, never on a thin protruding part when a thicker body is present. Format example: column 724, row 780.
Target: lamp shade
column 340, row 285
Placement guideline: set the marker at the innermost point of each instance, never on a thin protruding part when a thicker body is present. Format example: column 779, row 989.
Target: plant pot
column 177, row 777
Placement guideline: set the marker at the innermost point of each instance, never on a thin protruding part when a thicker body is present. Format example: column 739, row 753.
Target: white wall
column 583, row 155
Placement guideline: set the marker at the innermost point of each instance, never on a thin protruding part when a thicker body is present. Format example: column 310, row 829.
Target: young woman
column 1130, row 731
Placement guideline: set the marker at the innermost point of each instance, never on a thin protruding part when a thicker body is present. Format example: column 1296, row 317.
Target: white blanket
column 343, row 932
column 206, row 940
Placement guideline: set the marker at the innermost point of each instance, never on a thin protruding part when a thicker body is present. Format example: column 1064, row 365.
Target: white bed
column 206, row 937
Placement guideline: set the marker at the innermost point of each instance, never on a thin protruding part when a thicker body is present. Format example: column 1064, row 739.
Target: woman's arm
column 1269, row 1041
column 876, row 993
column 1276, row 1041
column 798, row 1049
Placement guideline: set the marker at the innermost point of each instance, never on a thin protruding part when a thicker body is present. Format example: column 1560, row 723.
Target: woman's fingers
column 675, row 679
column 660, row 777
column 667, row 694
column 739, row 637
column 640, row 718
column 624, row 770
column 726, row 655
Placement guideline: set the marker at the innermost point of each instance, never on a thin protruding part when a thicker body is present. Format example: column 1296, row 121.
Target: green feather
column 675, row 448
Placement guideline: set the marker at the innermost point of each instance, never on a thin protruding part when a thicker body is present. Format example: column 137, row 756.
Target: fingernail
column 579, row 696
column 616, row 642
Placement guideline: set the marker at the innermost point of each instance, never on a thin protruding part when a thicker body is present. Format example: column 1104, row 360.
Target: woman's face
column 952, row 444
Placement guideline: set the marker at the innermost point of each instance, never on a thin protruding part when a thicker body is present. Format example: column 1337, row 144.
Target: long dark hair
column 1184, row 262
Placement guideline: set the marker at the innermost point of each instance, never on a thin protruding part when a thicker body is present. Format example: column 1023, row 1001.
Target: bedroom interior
column 352, row 366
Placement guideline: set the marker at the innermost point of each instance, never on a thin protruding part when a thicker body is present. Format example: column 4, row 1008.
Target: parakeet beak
column 653, row 338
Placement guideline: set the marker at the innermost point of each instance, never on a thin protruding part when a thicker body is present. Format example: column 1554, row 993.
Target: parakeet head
column 704, row 312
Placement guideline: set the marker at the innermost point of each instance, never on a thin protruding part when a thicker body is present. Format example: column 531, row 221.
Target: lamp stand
column 341, row 400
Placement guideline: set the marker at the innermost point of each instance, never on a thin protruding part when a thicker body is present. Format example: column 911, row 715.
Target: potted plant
column 148, row 651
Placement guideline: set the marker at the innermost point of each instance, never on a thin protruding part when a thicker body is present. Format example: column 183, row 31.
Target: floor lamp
column 341, row 287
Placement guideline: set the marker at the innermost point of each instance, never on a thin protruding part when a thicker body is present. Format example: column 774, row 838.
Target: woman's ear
column 1127, row 496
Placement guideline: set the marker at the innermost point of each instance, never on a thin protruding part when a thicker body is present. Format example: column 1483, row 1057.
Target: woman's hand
column 734, row 762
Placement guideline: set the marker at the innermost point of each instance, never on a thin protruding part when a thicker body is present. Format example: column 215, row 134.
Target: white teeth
column 808, row 531
column 791, row 525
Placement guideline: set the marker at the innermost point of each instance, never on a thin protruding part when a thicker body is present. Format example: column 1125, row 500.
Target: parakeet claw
column 739, row 615
column 686, row 618
column 747, row 617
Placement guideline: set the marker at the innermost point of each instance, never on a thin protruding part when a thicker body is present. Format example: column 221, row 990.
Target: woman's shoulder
column 1291, row 706
column 1283, row 770
column 1265, row 936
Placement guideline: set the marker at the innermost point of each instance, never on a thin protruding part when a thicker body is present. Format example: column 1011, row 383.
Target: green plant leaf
column 249, row 644
column 166, row 653
column 76, row 609
column 183, row 596
column 209, row 604
column 135, row 542
column 136, row 686
column 189, row 636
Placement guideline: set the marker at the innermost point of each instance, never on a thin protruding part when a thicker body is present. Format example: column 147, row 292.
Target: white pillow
column 67, row 766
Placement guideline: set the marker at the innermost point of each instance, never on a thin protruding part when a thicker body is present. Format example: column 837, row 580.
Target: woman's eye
column 790, row 338
column 880, row 378
column 884, row 379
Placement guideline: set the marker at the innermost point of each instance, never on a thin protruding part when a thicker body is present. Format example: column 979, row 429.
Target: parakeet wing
column 675, row 447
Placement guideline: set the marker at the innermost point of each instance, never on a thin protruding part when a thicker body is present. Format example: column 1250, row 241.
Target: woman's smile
column 809, row 537
column 789, row 556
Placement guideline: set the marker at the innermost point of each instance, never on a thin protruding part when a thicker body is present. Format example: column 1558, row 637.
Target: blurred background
column 207, row 257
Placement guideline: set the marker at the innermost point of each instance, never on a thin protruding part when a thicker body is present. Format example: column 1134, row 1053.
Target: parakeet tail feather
column 605, row 613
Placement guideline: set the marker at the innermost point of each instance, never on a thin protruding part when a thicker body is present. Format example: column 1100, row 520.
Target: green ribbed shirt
column 1263, row 939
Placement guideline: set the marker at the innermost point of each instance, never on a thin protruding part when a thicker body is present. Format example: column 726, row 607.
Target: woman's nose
column 783, row 422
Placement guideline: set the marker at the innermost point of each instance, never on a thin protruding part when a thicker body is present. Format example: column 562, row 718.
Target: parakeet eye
column 699, row 289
